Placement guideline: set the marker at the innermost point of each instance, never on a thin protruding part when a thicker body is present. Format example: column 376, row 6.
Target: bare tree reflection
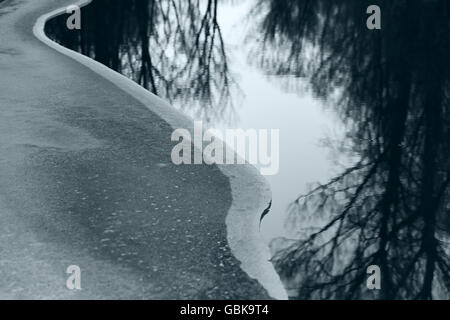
column 174, row 48
column 392, row 89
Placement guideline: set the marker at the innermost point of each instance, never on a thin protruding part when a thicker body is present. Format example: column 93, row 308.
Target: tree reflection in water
column 174, row 48
column 392, row 89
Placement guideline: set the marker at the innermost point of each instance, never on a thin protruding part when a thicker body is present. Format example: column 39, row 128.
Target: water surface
column 312, row 69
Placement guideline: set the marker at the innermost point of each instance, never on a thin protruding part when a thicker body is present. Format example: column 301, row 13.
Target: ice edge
column 250, row 191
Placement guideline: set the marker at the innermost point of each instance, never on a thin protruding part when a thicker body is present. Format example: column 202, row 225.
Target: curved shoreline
column 242, row 220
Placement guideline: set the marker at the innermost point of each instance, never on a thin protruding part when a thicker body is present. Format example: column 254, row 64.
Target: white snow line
column 250, row 191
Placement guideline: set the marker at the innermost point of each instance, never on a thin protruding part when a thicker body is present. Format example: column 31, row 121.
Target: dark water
column 184, row 59
column 388, row 90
